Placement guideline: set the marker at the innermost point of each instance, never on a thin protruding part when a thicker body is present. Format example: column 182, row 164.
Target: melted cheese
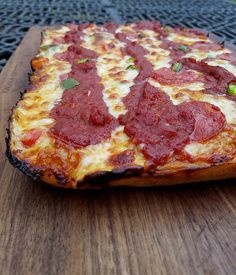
column 223, row 145
column 156, row 55
column 199, row 55
column 33, row 111
column 176, row 37
column 112, row 68
column 94, row 156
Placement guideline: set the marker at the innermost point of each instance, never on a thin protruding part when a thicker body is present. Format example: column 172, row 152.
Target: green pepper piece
column 46, row 47
column 177, row 67
column 231, row 89
column 69, row 83
column 183, row 48
column 83, row 60
column 131, row 67
column 131, row 59
column 141, row 35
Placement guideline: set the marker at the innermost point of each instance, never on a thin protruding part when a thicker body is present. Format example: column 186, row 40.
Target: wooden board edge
column 18, row 51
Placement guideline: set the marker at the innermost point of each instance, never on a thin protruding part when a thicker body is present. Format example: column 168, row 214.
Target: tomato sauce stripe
column 81, row 117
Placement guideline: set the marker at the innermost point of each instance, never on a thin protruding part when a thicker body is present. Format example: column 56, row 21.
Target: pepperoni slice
column 216, row 78
column 190, row 32
column 138, row 52
column 74, row 53
column 206, row 46
column 111, row 27
column 166, row 76
column 149, row 25
column 174, row 47
column 209, row 120
column 122, row 37
column 231, row 57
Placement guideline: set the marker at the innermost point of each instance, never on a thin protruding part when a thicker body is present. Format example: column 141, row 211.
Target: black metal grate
column 216, row 16
column 17, row 16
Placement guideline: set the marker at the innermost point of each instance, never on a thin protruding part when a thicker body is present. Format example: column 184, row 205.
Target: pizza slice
column 138, row 104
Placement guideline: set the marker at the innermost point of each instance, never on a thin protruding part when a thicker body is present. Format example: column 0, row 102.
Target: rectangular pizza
column 137, row 104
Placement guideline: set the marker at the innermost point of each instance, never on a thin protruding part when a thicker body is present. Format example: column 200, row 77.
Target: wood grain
column 188, row 229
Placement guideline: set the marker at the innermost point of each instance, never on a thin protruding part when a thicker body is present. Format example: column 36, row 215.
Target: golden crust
column 134, row 177
column 217, row 172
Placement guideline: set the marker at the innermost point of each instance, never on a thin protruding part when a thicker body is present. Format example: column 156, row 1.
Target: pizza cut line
column 138, row 104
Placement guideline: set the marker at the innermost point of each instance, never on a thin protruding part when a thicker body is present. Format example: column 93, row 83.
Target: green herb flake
column 183, row 48
column 131, row 59
column 83, row 60
column 69, row 83
column 141, row 35
column 177, row 67
column 231, row 89
column 46, row 47
column 131, row 67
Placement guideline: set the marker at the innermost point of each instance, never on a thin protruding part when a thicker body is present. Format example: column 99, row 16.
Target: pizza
column 137, row 104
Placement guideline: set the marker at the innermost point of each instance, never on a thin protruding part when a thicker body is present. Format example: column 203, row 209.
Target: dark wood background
column 189, row 229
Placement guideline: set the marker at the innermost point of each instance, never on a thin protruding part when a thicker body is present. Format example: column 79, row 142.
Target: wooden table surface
column 189, row 229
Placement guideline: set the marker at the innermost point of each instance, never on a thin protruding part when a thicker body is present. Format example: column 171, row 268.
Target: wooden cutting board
column 188, row 229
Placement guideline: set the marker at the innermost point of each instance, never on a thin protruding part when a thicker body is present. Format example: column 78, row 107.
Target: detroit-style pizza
column 138, row 104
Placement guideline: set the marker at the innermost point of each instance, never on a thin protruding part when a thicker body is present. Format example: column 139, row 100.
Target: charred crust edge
column 35, row 174
column 101, row 179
